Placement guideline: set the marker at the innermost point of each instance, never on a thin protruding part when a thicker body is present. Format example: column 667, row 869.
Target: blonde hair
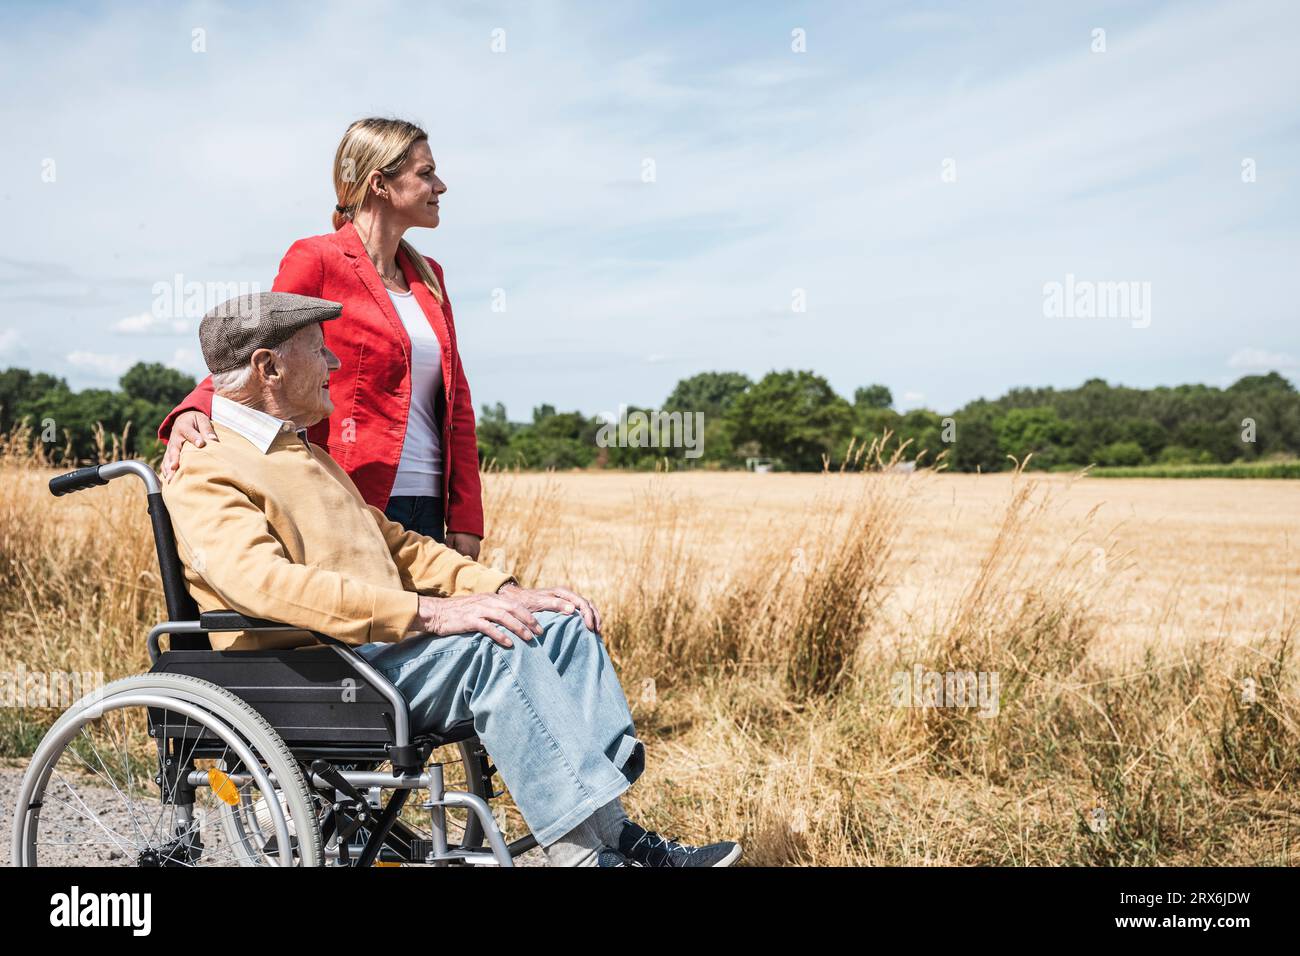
column 377, row 144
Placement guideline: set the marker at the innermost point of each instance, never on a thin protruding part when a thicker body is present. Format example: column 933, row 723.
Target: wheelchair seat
column 317, row 701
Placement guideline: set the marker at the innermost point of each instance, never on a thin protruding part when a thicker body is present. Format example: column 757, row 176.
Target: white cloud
column 1261, row 360
column 99, row 363
column 146, row 323
column 8, row 339
column 914, row 396
column 187, row 360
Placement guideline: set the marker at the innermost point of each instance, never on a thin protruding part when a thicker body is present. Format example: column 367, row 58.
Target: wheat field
column 1140, row 633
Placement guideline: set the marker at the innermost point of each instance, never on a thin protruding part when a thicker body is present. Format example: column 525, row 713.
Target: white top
column 254, row 424
column 419, row 472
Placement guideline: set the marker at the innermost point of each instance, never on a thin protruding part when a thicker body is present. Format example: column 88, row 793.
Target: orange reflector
column 391, row 863
column 223, row 786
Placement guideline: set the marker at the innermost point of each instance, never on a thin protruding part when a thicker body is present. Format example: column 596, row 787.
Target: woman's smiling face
column 414, row 190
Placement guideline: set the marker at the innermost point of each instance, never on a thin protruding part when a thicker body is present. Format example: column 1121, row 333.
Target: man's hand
column 193, row 427
column 555, row 599
column 464, row 542
column 476, row 612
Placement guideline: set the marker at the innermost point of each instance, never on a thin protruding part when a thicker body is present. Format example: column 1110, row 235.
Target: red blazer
column 372, row 387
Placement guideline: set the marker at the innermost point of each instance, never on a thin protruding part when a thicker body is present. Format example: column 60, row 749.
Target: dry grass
column 759, row 622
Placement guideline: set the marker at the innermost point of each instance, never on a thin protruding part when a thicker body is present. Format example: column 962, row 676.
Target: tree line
column 798, row 420
column 792, row 418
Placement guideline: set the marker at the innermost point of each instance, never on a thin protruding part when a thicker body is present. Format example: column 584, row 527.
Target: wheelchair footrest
column 422, row 850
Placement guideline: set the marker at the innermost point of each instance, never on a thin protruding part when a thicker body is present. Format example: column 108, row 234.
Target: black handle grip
column 76, row 480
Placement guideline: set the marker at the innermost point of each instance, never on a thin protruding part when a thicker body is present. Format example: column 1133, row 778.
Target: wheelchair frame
column 297, row 692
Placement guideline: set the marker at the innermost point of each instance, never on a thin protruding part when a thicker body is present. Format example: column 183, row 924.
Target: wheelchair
column 247, row 757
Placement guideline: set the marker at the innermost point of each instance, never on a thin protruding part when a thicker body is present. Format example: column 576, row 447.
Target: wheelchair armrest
column 211, row 621
column 234, row 621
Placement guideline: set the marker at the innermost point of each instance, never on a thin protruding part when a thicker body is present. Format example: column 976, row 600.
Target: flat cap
column 238, row 327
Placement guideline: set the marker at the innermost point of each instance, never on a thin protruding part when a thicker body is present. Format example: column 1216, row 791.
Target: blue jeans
column 423, row 515
column 549, row 710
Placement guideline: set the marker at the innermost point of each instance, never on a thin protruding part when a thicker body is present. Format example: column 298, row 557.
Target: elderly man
column 269, row 525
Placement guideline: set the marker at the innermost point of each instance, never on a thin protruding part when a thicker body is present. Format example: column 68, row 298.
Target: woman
column 403, row 422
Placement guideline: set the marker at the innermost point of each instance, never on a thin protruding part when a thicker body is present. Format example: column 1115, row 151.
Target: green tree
column 156, row 384
column 24, row 394
column 553, row 440
column 793, row 416
column 1121, row 453
column 493, row 430
column 709, row 392
column 975, row 446
column 636, row 453
column 873, row 396
column 1035, row 431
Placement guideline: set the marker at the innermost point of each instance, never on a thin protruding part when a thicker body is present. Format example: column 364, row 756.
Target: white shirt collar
column 255, row 425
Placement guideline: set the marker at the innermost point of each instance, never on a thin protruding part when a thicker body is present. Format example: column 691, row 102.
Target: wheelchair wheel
column 137, row 774
column 248, row 824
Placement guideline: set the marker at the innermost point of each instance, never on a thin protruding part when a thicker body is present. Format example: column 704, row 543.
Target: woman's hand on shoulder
column 193, row 427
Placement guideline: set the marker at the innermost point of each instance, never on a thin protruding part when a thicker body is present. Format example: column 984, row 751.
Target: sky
column 880, row 192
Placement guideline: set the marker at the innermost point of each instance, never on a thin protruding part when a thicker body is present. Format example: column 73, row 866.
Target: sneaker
column 646, row 848
column 609, row 856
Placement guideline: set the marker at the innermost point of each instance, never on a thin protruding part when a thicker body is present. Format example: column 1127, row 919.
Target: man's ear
column 266, row 366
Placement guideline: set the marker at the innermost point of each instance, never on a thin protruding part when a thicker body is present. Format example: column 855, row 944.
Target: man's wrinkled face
column 303, row 391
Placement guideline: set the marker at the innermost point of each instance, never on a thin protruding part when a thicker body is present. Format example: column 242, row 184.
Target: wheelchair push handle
column 94, row 475
column 76, row 480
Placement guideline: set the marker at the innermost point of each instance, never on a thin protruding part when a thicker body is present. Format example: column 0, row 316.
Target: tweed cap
column 238, row 327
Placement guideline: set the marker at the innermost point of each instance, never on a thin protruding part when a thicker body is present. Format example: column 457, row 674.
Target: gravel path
column 108, row 806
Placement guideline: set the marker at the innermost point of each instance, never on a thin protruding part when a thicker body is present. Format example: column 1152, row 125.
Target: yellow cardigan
column 285, row 535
